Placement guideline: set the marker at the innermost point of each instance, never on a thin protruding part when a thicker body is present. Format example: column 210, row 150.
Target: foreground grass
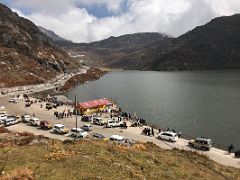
column 93, row 159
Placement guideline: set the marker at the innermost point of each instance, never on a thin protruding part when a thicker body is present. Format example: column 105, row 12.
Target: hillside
column 27, row 56
column 117, row 52
column 24, row 156
column 215, row 45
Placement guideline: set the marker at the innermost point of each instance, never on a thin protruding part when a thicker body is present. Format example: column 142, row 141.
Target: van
column 10, row 121
column 100, row 121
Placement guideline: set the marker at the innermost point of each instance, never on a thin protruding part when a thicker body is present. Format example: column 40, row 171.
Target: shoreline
column 56, row 86
column 215, row 154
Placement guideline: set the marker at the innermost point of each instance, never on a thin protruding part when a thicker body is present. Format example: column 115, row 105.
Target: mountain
column 27, row 56
column 117, row 52
column 215, row 45
column 51, row 34
column 56, row 38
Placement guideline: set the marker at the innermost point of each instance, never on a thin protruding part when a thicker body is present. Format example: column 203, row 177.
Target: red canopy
column 95, row 103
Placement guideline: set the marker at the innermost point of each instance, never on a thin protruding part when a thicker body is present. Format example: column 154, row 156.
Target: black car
column 99, row 136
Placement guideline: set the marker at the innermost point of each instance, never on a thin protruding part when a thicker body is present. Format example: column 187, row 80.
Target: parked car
column 114, row 123
column 116, row 138
column 78, row 132
column 26, row 118
column 201, row 143
column 237, row 154
column 45, row 125
column 168, row 135
column 87, row 118
column 2, row 118
column 87, row 127
column 100, row 121
column 13, row 100
column 98, row 136
column 34, row 121
column 11, row 120
column 60, row 129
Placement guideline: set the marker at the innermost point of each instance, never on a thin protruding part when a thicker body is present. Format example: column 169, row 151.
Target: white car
column 34, row 121
column 11, row 120
column 100, row 121
column 14, row 100
column 168, row 135
column 78, row 132
column 114, row 123
column 60, row 129
column 2, row 118
column 26, row 118
column 116, row 138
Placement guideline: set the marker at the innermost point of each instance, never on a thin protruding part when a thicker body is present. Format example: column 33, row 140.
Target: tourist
column 159, row 130
column 230, row 149
column 152, row 131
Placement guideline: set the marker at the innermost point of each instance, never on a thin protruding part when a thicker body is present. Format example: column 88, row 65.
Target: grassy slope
column 92, row 159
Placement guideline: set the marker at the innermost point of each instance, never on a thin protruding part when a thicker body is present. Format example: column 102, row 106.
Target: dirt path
column 215, row 154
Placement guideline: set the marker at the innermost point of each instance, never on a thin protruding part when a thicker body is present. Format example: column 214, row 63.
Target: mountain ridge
column 214, row 45
column 27, row 56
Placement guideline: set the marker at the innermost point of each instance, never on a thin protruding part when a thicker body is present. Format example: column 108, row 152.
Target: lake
column 203, row 103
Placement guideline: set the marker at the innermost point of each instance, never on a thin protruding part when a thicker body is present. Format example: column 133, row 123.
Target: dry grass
column 19, row 174
column 8, row 138
column 4, row 130
column 93, row 159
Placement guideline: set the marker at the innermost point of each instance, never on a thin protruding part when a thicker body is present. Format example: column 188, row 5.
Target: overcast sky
column 91, row 20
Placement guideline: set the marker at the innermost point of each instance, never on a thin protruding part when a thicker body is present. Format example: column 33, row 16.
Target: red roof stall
column 94, row 105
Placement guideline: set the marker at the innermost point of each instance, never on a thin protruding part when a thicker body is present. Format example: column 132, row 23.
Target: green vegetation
column 93, row 159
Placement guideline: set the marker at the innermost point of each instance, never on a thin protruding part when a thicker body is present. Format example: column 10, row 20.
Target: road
column 51, row 84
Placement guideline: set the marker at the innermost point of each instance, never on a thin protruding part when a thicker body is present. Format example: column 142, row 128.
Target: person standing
column 152, row 131
column 230, row 149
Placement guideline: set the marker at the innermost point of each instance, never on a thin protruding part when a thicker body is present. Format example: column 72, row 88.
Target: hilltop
column 28, row 56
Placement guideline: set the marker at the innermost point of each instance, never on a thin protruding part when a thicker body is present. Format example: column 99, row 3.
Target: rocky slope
column 27, row 56
column 56, row 38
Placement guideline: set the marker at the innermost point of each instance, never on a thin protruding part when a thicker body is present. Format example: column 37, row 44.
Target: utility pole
column 76, row 110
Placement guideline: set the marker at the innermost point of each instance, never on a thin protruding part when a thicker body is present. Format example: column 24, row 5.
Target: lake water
column 205, row 103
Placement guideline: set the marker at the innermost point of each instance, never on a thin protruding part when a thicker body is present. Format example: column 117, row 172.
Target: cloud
column 112, row 5
column 73, row 20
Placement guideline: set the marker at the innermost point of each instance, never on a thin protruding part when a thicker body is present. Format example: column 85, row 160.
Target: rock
column 6, row 39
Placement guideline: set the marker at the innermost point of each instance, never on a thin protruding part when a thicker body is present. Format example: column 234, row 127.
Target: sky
column 93, row 20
